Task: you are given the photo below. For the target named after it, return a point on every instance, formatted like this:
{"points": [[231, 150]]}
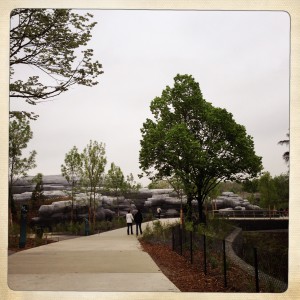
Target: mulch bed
{"points": [[188, 277], [30, 243]]}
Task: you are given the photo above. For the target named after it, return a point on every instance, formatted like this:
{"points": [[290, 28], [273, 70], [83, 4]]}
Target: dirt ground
{"points": [[188, 278]]}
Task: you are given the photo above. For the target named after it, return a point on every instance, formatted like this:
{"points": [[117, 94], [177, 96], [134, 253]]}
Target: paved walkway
{"points": [[107, 262]]}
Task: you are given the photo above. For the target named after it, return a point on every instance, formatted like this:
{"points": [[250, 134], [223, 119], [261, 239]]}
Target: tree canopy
{"points": [[93, 165], [115, 180], [200, 144], [38, 192], [19, 136], [72, 170], [46, 44]]}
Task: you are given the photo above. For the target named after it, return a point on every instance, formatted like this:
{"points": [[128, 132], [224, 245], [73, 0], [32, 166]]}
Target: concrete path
{"points": [[107, 262]]}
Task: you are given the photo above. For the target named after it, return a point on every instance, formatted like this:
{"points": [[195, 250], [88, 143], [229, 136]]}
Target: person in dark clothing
{"points": [[138, 219]]}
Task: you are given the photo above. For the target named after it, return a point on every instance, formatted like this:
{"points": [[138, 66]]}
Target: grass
{"points": [[272, 251]]}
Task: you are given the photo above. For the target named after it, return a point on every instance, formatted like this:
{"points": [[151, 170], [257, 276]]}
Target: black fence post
{"points": [[224, 262], [180, 238], [204, 251], [23, 222], [256, 270], [191, 246]]}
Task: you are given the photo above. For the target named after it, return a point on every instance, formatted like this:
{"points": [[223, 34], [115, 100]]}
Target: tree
{"points": [[159, 184], [19, 136], [115, 181], [286, 155], [195, 141], [38, 192], [131, 184], [46, 43], [72, 170], [94, 161], [267, 189], [251, 186], [281, 183]]}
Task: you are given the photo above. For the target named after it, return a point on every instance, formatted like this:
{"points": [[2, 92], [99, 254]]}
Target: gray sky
{"points": [[240, 59]]}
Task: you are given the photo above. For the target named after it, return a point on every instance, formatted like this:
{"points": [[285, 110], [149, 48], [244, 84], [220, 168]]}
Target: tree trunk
{"points": [[72, 205], [189, 208], [201, 213]]}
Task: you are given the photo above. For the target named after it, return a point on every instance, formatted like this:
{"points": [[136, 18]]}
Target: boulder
{"points": [[171, 213], [46, 210]]}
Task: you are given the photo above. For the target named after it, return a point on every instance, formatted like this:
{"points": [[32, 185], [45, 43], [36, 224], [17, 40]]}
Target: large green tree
{"points": [[93, 165], [19, 136], [48, 53], [195, 141], [72, 170]]}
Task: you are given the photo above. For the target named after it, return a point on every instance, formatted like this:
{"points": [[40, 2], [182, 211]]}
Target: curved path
{"points": [[108, 262]]}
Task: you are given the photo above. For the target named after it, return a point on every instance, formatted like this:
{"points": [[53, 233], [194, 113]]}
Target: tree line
{"points": [[266, 191], [85, 171]]}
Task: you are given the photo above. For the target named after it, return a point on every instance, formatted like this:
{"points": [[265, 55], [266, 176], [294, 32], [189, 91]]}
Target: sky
{"points": [[240, 60]]}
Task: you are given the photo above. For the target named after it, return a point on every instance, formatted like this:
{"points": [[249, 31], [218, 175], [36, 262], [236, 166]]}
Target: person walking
{"points": [[158, 212], [129, 220], [138, 219]]}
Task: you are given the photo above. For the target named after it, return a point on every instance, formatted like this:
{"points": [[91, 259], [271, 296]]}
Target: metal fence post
{"points": [[224, 262], [204, 252], [256, 270], [23, 222], [180, 239]]}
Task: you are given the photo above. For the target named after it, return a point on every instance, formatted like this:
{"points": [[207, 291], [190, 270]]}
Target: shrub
{"points": [[158, 232]]}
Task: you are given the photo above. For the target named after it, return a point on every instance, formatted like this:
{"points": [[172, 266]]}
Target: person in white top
{"points": [[158, 212], [129, 220]]}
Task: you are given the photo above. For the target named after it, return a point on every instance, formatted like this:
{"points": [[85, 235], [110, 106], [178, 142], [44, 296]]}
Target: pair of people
{"points": [[138, 219]]}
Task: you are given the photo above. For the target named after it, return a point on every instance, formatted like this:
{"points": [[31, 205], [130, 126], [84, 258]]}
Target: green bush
{"points": [[158, 232], [215, 227]]}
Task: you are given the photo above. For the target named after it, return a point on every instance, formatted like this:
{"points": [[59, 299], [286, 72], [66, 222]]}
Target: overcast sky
{"points": [[240, 59]]}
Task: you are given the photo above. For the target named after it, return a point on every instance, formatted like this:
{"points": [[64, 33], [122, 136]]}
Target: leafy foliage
{"points": [[273, 191], [19, 136], [286, 155], [46, 43], [131, 184], [38, 192], [115, 180], [93, 165], [199, 143], [72, 170], [159, 184]]}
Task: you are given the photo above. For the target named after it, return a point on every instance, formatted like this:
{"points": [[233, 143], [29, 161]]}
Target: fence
{"points": [[253, 214], [213, 256]]}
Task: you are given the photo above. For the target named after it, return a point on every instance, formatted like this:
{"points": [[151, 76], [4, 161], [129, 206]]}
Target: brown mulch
{"points": [[188, 277], [30, 243]]}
